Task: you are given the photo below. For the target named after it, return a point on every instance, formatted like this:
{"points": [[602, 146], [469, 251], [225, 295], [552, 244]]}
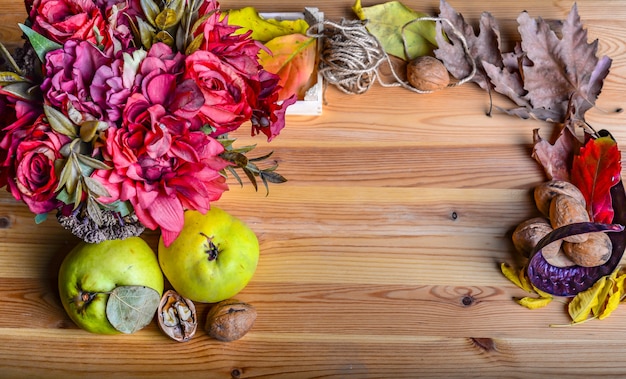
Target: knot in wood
{"points": [[467, 300]]}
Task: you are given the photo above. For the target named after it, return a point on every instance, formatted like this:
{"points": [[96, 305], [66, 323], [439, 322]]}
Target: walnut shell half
{"points": [[177, 316], [230, 320]]}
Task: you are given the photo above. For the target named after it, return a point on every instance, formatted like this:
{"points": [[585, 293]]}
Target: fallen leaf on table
{"points": [[581, 305], [556, 159], [546, 75], [385, 22], [263, 29], [293, 59], [595, 171], [484, 47]]}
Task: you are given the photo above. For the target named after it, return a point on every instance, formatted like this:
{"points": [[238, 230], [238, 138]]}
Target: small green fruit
{"points": [[213, 258], [90, 271]]}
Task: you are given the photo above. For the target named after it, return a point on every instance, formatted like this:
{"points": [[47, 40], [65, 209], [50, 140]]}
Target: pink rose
{"points": [[61, 20], [36, 180], [226, 93]]}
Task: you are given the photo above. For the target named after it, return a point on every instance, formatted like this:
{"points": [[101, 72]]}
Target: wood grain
{"points": [[379, 256]]}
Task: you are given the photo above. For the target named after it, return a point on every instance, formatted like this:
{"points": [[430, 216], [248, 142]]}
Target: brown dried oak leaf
{"points": [[549, 68]]}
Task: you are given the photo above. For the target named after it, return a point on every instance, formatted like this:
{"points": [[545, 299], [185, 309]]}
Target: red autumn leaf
{"points": [[292, 58], [594, 171]]}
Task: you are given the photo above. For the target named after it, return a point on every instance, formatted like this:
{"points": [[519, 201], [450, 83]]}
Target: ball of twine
{"points": [[350, 55]]}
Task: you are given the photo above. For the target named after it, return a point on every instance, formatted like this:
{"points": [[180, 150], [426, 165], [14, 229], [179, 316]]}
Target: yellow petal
{"points": [[534, 302]]}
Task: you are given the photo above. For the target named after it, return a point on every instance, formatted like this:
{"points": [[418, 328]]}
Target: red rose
{"points": [[36, 180], [61, 20], [226, 93], [16, 123]]}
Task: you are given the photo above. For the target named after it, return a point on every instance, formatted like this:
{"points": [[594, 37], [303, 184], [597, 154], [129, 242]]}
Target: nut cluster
{"points": [[562, 204]]}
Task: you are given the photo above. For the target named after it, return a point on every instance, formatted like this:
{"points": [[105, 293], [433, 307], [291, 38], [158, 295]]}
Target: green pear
{"points": [[212, 259], [91, 271]]}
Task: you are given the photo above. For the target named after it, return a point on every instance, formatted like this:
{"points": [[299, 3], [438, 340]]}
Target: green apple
{"points": [[213, 258], [90, 271]]}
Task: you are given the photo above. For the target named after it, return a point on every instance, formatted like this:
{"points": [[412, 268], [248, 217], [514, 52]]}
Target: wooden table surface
{"points": [[379, 256]]}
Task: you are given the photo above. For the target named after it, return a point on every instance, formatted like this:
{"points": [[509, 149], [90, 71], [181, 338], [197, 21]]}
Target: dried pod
{"points": [[558, 259], [177, 316], [230, 320], [427, 73], [530, 232], [594, 252], [565, 210], [545, 192]]}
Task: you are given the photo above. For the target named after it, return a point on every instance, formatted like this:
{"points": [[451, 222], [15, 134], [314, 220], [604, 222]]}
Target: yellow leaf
{"points": [[615, 297], [541, 293], [603, 296], [511, 274], [264, 30], [534, 302], [580, 306], [526, 285]]}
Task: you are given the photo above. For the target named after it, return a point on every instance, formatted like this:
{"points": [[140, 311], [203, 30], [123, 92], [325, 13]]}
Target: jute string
{"points": [[351, 56]]}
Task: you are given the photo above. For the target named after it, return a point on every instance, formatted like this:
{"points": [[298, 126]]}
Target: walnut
{"points": [[230, 320], [427, 73], [177, 316], [594, 252], [530, 232], [565, 210], [545, 192]]}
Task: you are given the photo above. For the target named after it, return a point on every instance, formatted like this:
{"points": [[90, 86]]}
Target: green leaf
{"points": [[234, 173], [166, 19], [91, 163], [385, 21], [272, 177], [88, 129], [68, 176], [59, 122], [95, 187], [78, 194], [194, 45], [264, 29], [7, 77], [235, 157], [150, 10], [94, 211], [9, 58], [251, 177], [41, 44], [146, 33], [22, 90], [124, 208], [41, 217], [131, 308]]}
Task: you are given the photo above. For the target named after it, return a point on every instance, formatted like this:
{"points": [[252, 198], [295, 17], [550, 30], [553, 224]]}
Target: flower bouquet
{"points": [[116, 113]]}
